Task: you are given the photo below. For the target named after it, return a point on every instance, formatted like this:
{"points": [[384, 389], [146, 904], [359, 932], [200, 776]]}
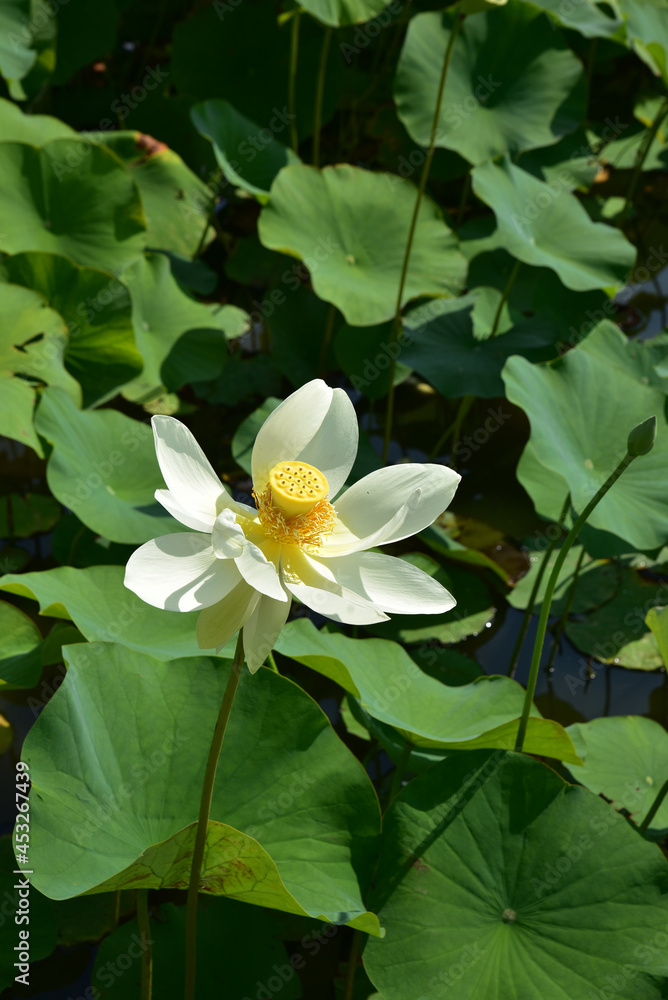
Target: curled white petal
{"points": [[218, 623], [392, 584], [316, 424], [388, 505], [262, 630], [180, 573], [193, 486], [313, 584]]}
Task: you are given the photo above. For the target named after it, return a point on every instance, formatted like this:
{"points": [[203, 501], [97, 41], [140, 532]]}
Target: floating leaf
{"points": [[72, 198], [20, 664], [96, 826], [512, 84], [625, 759], [103, 467], [21, 517], [15, 126], [591, 19], [578, 437], [349, 227], [597, 582], [546, 226], [542, 897], [393, 689], [339, 13]]}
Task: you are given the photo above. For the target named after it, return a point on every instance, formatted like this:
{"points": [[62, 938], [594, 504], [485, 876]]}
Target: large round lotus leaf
{"points": [[510, 86], [19, 667], [102, 353], [103, 468], [70, 197], [33, 340], [581, 411], [647, 32], [339, 13], [499, 880], [16, 55], [546, 226], [241, 940], [439, 342], [104, 610], [616, 631], [393, 689], [176, 202], [15, 126], [249, 156], [117, 761], [349, 227], [588, 17], [625, 759], [181, 340]]}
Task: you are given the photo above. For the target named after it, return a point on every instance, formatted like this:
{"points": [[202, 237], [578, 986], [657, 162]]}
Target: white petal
{"points": [[227, 536], [262, 630], [193, 484], [315, 424], [392, 584], [313, 584], [180, 573], [262, 574], [218, 623], [170, 503], [389, 504]]}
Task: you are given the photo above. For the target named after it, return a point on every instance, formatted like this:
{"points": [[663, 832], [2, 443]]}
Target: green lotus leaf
{"points": [[103, 467], [349, 227], [176, 202], [17, 56], [234, 136], [598, 581], [625, 759], [439, 342], [16, 126], [101, 353], [239, 939], [546, 226], [588, 17], [181, 340], [115, 799], [33, 341], [104, 610], [616, 631], [70, 197], [647, 32], [513, 84], [578, 438], [657, 620], [20, 664], [339, 13], [392, 688], [496, 874]]}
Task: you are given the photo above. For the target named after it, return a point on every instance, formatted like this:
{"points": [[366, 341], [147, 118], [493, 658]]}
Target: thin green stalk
{"points": [[210, 214], [292, 80], [317, 120], [116, 912], [464, 407], [355, 949], [656, 805], [272, 662], [203, 819], [549, 591], [463, 200], [146, 951], [504, 297], [411, 232], [528, 611], [561, 624], [642, 156]]}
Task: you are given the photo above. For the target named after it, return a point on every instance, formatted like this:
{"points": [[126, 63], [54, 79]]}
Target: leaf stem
{"points": [[549, 591], [355, 949], [411, 231], [317, 120], [656, 805], [561, 624], [146, 952], [292, 79], [642, 156], [204, 812], [528, 611], [504, 298]]}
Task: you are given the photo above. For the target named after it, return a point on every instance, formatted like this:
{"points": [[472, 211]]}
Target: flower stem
{"points": [[203, 819], [561, 624], [292, 80], [355, 948], [146, 952], [656, 805], [504, 298], [549, 591], [642, 156], [317, 121], [411, 231], [528, 611]]}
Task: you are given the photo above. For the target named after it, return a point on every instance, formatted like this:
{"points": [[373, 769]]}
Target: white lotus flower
{"points": [[243, 565]]}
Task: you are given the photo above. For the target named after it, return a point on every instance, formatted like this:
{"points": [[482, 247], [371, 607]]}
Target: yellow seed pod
{"points": [[296, 487]]}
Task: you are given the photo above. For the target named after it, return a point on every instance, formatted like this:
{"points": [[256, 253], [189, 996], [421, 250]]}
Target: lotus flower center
{"points": [[297, 487]]}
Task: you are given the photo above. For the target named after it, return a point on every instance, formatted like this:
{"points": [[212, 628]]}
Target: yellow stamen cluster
{"points": [[304, 529]]}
